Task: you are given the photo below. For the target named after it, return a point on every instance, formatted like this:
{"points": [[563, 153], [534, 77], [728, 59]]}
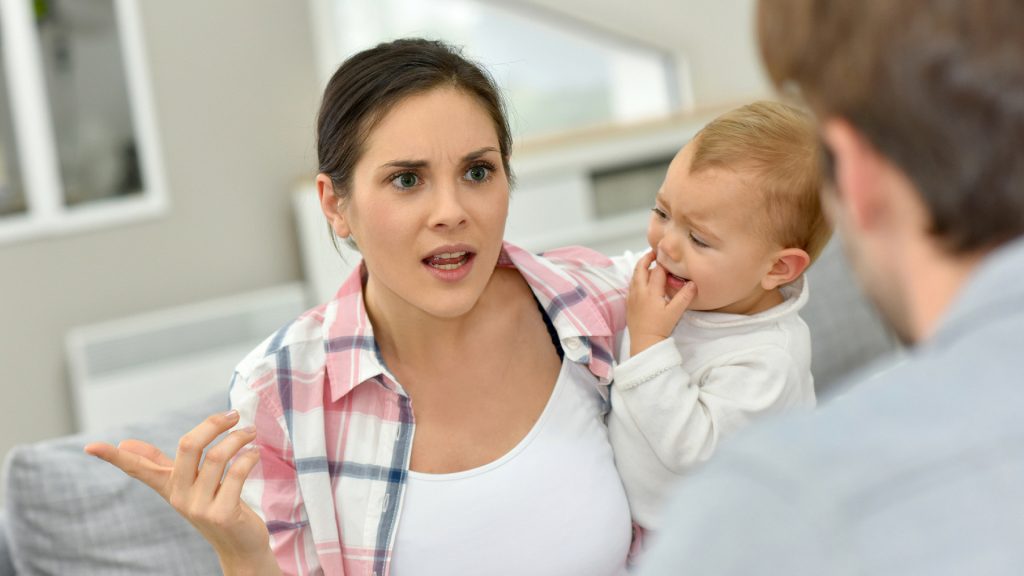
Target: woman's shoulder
{"points": [[576, 278], [593, 271], [299, 343]]}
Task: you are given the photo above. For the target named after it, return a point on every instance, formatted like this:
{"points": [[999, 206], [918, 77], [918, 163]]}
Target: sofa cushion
{"points": [[70, 513]]}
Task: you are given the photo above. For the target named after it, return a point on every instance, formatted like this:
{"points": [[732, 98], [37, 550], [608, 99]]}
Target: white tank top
{"points": [[552, 506]]}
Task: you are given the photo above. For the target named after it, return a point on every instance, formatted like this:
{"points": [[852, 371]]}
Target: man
{"points": [[920, 470]]}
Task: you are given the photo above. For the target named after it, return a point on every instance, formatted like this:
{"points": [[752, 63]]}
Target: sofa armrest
{"points": [[6, 564], [70, 513]]}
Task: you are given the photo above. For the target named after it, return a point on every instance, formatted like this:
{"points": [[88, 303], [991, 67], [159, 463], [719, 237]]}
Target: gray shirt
{"points": [[917, 471]]}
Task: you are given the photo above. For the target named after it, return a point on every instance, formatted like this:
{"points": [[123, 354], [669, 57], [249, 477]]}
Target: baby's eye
{"points": [[700, 243], [659, 213], [405, 180], [478, 173]]}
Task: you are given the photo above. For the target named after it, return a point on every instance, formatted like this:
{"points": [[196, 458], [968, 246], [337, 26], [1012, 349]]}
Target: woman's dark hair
{"points": [[367, 85]]}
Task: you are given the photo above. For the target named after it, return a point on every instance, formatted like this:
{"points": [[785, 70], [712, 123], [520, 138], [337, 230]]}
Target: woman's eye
{"points": [[698, 241], [478, 174], [405, 180], [659, 213]]}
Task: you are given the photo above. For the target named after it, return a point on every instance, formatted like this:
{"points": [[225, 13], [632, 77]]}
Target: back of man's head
{"points": [[936, 86]]}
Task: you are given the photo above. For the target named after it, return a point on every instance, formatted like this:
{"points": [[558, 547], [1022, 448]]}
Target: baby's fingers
{"points": [[141, 468], [682, 299], [657, 283], [642, 270]]}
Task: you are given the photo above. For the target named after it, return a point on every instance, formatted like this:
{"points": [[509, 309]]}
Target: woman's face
{"points": [[428, 205]]}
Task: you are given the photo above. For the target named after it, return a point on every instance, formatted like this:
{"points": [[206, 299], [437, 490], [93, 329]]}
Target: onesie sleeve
{"points": [[665, 421]]}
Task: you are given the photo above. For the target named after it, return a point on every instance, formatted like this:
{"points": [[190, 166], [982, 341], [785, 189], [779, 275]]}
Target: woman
{"points": [[444, 412]]}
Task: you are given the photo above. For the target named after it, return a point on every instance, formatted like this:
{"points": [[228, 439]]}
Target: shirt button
{"points": [[572, 343]]}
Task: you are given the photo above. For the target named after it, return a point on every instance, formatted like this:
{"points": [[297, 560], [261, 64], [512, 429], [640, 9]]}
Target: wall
{"points": [[716, 38], [236, 94]]}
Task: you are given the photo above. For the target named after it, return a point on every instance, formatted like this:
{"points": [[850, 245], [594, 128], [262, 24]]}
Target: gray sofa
{"points": [[67, 513]]}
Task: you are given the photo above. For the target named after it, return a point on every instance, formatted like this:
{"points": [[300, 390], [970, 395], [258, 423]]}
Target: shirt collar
{"points": [[353, 356]]}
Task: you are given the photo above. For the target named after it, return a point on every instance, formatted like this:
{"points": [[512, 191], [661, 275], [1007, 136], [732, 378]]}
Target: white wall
{"points": [[716, 37], [236, 95]]}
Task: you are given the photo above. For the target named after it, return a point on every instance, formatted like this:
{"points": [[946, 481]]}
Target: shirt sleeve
{"points": [[674, 420], [272, 488]]}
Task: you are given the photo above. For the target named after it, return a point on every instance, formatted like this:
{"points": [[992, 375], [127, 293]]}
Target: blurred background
{"points": [[157, 215]]}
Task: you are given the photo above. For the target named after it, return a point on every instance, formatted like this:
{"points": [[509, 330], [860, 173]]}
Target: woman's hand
{"points": [[651, 317], [199, 489]]}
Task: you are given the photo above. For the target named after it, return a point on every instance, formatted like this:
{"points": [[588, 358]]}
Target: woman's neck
{"points": [[413, 337]]}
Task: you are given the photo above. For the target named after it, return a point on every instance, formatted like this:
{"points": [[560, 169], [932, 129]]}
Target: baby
{"points": [[714, 340]]}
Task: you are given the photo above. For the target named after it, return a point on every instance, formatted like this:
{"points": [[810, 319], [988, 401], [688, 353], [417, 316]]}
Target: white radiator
{"points": [[133, 369]]}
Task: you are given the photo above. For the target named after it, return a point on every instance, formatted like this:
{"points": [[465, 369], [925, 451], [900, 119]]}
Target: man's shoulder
{"points": [[908, 422]]}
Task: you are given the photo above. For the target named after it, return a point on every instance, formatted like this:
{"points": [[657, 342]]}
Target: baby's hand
{"points": [[649, 316]]}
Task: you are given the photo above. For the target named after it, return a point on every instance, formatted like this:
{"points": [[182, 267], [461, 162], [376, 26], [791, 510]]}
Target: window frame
{"points": [[679, 85], [46, 212]]}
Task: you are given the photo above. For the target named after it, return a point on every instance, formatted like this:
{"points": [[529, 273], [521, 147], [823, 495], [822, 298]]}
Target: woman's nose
{"points": [[448, 210]]}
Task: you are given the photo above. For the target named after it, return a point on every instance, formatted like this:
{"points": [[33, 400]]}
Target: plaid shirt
{"points": [[335, 429]]}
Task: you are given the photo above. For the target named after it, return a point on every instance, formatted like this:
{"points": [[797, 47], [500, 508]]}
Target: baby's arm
{"points": [[665, 421], [680, 420]]}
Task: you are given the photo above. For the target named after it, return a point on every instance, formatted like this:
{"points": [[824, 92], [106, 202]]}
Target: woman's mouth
{"points": [[450, 265], [447, 260]]}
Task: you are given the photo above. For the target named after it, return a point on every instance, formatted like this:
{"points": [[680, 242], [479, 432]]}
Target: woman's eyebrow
{"points": [[413, 164], [478, 153], [404, 164]]}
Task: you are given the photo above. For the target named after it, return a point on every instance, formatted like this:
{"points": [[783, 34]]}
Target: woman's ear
{"points": [[787, 265], [331, 206]]}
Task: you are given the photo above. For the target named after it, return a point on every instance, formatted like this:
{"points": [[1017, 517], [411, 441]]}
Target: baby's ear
{"points": [[787, 265]]}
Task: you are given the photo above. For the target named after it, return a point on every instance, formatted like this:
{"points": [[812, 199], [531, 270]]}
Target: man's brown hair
{"points": [[775, 146], [936, 86]]}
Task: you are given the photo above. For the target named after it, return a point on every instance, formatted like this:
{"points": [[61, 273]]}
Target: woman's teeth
{"points": [[447, 260]]}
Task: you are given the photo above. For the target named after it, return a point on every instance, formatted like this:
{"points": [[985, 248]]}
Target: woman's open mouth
{"points": [[448, 260], [450, 266]]}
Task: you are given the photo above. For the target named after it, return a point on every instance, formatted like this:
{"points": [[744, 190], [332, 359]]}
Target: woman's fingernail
{"points": [[248, 430], [231, 413]]}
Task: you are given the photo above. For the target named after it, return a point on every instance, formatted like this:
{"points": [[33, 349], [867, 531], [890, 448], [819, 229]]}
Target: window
{"points": [[77, 139], [557, 75]]}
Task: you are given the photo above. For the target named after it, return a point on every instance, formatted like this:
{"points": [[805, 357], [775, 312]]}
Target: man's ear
{"points": [[331, 206], [788, 265], [859, 173]]}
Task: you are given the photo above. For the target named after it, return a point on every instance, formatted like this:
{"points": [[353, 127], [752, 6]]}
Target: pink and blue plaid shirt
{"points": [[335, 429]]}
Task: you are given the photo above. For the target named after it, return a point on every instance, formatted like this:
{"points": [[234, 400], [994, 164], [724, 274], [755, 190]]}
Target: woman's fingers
{"points": [[190, 451], [146, 450], [217, 458], [151, 473], [229, 494]]}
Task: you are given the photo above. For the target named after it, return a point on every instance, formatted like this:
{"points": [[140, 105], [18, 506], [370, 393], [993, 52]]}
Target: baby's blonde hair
{"points": [[777, 146]]}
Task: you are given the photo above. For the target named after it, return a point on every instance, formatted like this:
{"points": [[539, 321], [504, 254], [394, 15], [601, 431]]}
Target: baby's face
{"points": [[705, 229]]}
